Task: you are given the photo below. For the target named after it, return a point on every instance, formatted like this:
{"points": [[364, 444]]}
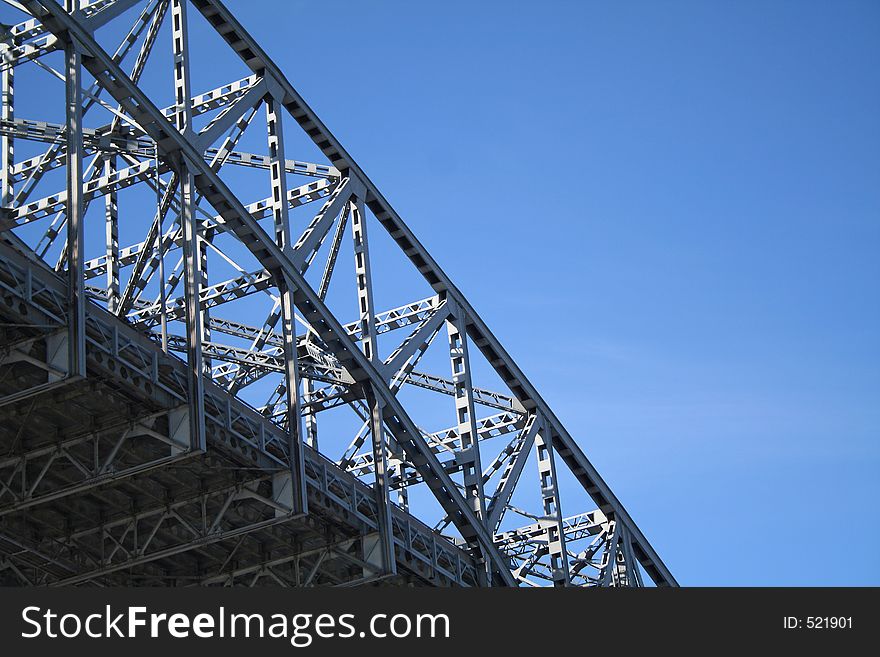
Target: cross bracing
{"points": [[208, 373]]}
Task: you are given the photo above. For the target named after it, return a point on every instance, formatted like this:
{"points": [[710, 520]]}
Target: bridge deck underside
{"points": [[99, 484]]}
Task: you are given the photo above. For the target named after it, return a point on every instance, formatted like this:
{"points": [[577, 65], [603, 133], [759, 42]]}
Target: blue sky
{"points": [[670, 215]]}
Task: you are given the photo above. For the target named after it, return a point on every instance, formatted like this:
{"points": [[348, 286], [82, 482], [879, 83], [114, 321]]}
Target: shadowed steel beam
{"points": [[75, 224]]}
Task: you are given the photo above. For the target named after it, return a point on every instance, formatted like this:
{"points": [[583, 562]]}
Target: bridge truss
{"points": [[201, 388]]}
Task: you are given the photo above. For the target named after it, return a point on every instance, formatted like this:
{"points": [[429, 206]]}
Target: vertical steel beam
{"points": [[609, 556], [189, 227], [163, 312], [180, 45], [280, 210], [468, 454], [192, 279], [296, 457], [75, 228], [111, 225], [403, 489], [193, 249], [554, 532], [369, 345], [382, 483], [281, 220], [203, 277], [7, 141]]}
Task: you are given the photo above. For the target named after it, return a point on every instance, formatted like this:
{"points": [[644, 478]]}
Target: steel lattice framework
{"points": [[169, 347]]}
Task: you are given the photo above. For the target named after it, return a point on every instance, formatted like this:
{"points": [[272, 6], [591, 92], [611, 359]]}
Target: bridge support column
{"points": [[76, 320], [554, 533], [286, 289], [369, 345], [7, 141], [468, 456]]}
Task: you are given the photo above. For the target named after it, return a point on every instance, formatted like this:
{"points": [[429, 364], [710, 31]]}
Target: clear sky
{"points": [[670, 215]]}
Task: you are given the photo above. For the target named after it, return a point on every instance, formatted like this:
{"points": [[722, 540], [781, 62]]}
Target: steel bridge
{"points": [[200, 388]]}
